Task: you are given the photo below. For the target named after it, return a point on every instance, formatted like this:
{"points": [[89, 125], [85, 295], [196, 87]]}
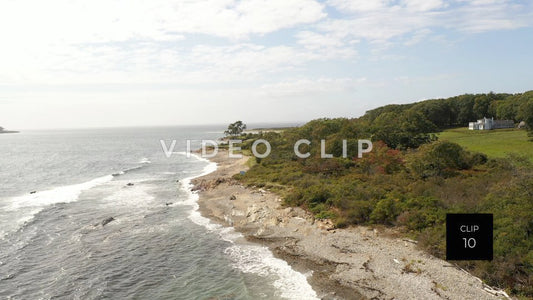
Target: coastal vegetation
{"points": [[418, 171], [235, 129]]}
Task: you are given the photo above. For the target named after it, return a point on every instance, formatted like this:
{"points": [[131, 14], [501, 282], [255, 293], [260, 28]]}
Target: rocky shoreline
{"points": [[352, 263]]}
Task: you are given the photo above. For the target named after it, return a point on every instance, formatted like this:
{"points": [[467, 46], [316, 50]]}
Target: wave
{"points": [[22, 209], [62, 194], [249, 258], [144, 160], [127, 171]]}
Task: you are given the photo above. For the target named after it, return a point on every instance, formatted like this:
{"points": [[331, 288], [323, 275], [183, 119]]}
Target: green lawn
{"points": [[494, 143]]}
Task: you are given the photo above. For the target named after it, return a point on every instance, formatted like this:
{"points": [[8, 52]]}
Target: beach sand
{"points": [[353, 263]]}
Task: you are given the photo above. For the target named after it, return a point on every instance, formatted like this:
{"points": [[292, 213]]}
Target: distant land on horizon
{"points": [[7, 131]]}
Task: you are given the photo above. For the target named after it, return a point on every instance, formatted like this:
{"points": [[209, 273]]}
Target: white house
{"points": [[489, 124]]}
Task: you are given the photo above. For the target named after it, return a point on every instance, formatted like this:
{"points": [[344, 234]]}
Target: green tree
{"points": [[481, 106], [235, 129], [436, 111], [407, 130], [465, 109], [526, 114]]}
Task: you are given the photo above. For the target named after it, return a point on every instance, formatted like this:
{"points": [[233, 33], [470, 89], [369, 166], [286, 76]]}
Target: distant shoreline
{"points": [[9, 131], [265, 130]]}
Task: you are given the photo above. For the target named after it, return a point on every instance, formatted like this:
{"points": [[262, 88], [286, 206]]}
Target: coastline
{"points": [[352, 263]]}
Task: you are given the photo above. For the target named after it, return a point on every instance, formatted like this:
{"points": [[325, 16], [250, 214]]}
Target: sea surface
{"points": [[56, 189]]}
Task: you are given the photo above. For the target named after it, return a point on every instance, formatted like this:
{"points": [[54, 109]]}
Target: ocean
{"points": [[58, 188]]}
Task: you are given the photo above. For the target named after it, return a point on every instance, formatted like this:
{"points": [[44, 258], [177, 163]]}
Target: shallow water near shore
{"points": [[57, 188]]}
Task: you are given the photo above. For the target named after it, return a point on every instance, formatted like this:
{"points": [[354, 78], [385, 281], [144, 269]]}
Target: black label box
{"points": [[469, 236]]}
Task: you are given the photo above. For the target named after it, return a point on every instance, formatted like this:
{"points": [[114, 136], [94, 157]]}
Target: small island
{"points": [[7, 131]]}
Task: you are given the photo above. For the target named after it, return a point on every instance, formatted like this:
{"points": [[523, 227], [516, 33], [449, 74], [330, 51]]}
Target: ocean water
{"points": [[56, 189]]}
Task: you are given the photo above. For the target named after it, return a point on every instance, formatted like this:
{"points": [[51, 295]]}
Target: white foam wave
{"points": [[62, 194], [128, 170], [24, 208], [145, 160], [168, 173], [246, 257], [260, 261], [135, 196]]}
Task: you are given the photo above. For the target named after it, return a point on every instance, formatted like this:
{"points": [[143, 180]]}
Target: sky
{"points": [[107, 63]]}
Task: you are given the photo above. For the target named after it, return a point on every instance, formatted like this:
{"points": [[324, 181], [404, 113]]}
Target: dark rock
{"points": [[168, 203], [129, 184], [107, 221], [233, 197], [219, 181], [33, 192]]}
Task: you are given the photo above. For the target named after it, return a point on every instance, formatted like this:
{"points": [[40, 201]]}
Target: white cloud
{"points": [[73, 41], [382, 25], [150, 63], [418, 36], [483, 2], [80, 21], [310, 87], [489, 16], [358, 5], [313, 40], [191, 42], [424, 5], [381, 21]]}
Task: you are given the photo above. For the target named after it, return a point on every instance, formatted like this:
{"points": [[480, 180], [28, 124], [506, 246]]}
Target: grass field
{"points": [[494, 143]]}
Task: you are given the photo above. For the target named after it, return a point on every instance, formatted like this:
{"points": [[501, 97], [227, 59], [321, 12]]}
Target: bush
{"points": [[421, 213], [441, 159], [385, 212]]}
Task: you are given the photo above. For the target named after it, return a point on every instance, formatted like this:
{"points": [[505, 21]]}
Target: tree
{"points": [[526, 114], [401, 131], [465, 107], [481, 106], [235, 129], [438, 112]]}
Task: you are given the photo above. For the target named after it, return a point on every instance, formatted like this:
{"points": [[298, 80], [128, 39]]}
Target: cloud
{"points": [[118, 40], [483, 2], [310, 87], [424, 5], [381, 25], [80, 21], [483, 16], [381, 21], [358, 5], [191, 42]]}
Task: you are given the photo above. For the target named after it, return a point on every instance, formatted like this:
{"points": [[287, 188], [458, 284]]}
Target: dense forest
{"points": [[410, 179]]}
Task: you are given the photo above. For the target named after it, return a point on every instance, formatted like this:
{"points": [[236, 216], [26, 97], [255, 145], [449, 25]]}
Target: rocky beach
{"points": [[353, 263]]}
